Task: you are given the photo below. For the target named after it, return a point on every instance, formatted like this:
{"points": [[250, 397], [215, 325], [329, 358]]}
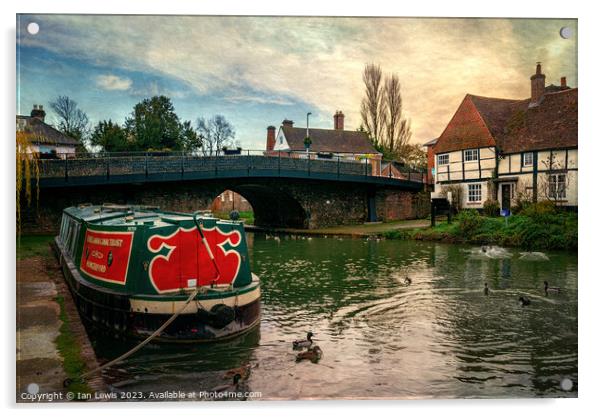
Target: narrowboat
{"points": [[131, 268]]}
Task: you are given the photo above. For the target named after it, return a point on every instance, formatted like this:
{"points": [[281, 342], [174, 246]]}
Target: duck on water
{"points": [[303, 343]]}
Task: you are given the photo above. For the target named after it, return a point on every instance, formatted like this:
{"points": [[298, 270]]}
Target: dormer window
{"points": [[471, 155], [528, 159]]}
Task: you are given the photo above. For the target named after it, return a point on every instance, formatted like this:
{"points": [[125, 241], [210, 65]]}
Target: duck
{"points": [[301, 343], [244, 372], [484, 249], [524, 301], [548, 289], [313, 354], [486, 289], [229, 387], [407, 280]]}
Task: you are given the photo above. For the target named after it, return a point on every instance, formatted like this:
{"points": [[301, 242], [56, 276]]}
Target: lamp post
{"points": [[307, 135]]}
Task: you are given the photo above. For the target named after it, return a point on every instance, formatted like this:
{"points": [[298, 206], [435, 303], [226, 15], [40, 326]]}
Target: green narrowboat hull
{"points": [[130, 270]]}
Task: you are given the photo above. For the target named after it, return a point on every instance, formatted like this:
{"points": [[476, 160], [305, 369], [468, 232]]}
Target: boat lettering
{"points": [[106, 255]]}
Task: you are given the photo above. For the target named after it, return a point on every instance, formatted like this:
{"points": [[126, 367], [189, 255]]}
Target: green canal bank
{"points": [[536, 229], [52, 343]]}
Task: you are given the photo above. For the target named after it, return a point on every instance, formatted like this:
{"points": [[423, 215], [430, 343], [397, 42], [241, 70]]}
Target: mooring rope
{"points": [[67, 381]]}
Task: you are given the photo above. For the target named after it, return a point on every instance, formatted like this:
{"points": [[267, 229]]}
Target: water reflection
{"points": [[439, 336]]}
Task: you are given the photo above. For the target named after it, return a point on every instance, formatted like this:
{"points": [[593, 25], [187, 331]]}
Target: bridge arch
{"points": [[271, 207]]}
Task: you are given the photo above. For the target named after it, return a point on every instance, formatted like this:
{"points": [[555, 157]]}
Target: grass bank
{"points": [[246, 216], [539, 227], [33, 245], [70, 350]]}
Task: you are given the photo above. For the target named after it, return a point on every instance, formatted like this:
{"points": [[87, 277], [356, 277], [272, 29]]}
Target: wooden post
{"points": [[433, 214]]}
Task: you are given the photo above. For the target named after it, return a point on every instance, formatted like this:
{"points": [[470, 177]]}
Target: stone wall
{"points": [[297, 203]]}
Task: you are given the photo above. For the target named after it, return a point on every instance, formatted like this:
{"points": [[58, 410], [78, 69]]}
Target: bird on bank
{"points": [[548, 289], [301, 343], [407, 280], [486, 289], [244, 372], [313, 354], [524, 301]]}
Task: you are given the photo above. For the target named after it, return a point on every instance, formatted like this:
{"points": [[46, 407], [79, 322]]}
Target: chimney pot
{"points": [[563, 81], [271, 139], [538, 84], [339, 120], [287, 123], [38, 112]]}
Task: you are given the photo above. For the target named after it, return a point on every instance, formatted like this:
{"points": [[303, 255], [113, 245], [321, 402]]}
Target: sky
{"points": [[257, 71]]}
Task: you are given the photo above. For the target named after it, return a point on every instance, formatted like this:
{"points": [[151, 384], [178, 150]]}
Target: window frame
{"points": [[439, 156], [471, 198], [476, 155], [524, 163], [553, 186]]}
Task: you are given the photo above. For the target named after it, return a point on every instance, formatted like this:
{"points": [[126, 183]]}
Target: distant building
{"points": [[228, 201], [430, 161], [325, 143], [503, 150], [45, 139]]}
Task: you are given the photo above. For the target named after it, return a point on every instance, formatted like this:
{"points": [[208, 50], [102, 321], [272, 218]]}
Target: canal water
{"points": [[439, 336]]}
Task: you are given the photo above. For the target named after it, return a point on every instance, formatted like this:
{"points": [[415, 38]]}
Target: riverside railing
{"points": [[229, 163]]}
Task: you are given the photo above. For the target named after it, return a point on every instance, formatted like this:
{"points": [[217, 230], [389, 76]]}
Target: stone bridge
{"points": [[283, 191]]}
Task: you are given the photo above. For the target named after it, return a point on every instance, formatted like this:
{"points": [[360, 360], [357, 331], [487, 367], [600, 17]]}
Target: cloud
{"points": [[113, 82], [318, 61]]}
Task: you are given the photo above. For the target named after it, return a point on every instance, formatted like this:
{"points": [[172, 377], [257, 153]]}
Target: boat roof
{"points": [[133, 215]]}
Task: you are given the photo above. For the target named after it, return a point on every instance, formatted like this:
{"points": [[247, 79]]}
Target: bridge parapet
{"points": [[109, 168]]}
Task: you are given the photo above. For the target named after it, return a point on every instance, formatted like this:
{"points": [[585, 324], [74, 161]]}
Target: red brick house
{"points": [[430, 161], [502, 149]]}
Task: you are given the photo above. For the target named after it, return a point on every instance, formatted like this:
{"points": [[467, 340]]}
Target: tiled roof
{"points": [[512, 125], [329, 140], [550, 125], [430, 142], [44, 134], [467, 129]]}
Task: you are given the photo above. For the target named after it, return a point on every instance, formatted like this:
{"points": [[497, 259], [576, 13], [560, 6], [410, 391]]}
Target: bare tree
{"points": [[396, 127], [214, 134], [554, 185], [372, 103], [72, 121]]}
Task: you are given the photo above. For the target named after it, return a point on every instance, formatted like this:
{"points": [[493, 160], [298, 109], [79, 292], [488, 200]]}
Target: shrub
{"points": [[469, 221], [491, 208], [540, 211]]}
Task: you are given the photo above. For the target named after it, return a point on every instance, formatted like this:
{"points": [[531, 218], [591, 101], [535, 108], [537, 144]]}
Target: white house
{"points": [[45, 139], [503, 150]]}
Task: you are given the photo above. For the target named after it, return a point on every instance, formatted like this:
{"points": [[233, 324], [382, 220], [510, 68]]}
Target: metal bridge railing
{"points": [[226, 163]]}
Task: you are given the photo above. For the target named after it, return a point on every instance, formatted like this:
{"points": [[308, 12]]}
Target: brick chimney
{"points": [[271, 140], [38, 112], [563, 82], [287, 123], [538, 85], [339, 120]]}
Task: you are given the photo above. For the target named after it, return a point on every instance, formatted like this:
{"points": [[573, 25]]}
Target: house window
{"points": [[528, 159], [471, 155], [443, 159], [557, 189], [474, 193], [281, 139]]}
